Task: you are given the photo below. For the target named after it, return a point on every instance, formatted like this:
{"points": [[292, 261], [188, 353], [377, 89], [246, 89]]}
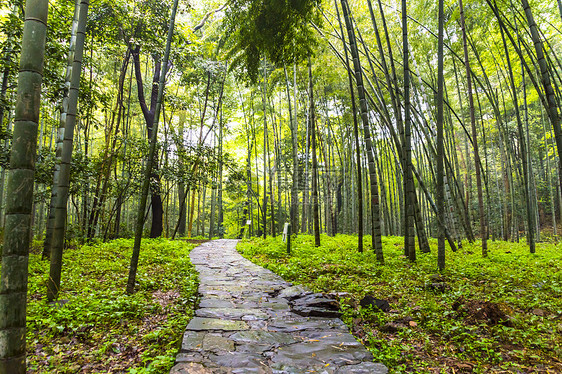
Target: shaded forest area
{"points": [[426, 119]]}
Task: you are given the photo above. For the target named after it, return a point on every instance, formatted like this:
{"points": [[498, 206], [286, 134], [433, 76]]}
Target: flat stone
{"points": [[258, 325], [332, 337], [240, 360], [194, 368], [199, 324], [216, 293], [363, 368], [213, 302], [183, 357], [287, 325], [313, 353], [283, 368], [275, 305], [192, 340], [214, 343], [253, 348], [264, 337], [230, 313], [316, 312]]}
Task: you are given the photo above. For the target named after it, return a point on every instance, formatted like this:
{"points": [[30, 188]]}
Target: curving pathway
{"points": [[247, 322]]}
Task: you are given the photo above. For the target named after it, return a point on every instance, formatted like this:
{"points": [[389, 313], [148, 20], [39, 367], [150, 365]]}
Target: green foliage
{"points": [[96, 325], [435, 335], [277, 30]]}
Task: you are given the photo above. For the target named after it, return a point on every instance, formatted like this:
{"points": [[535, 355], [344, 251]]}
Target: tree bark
{"points": [[60, 136], [151, 157], [150, 118], [53, 283], [13, 278], [312, 125], [375, 214], [483, 220]]}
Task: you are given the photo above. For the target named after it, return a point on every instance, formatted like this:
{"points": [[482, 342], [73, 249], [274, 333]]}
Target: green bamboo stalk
{"points": [[60, 136], [53, 283], [13, 279], [375, 213]]}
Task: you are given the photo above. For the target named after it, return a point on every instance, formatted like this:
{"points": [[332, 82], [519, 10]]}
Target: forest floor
{"points": [[95, 327], [501, 314]]}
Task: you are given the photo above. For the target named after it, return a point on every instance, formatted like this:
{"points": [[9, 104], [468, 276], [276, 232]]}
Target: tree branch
{"points": [[206, 17]]}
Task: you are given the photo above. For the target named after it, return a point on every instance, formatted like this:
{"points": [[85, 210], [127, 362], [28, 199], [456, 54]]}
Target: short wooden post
{"points": [[288, 238]]}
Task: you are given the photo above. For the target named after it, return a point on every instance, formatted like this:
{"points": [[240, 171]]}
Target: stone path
{"points": [[247, 322]]}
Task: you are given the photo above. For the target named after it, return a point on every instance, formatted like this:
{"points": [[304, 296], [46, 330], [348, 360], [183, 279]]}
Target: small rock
{"points": [[316, 305], [539, 312], [293, 292], [392, 327], [338, 295], [380, 304]]}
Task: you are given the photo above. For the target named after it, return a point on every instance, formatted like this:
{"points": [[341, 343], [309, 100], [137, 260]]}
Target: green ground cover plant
{"points": [[95, 327], [499, 314]]}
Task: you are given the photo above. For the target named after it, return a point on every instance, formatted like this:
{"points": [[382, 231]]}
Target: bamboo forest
{"points": [[280, 186]]}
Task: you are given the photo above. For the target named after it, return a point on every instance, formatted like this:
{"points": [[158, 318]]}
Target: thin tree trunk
{"points": [[356, 140], [552, 108], [312, 125], [440, 144], [483, 221], [375, 214], [409, 191], [148, 170], [524, 154]]}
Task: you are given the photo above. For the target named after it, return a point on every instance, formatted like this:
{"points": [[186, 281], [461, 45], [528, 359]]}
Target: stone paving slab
{"points": [[247, 322]]}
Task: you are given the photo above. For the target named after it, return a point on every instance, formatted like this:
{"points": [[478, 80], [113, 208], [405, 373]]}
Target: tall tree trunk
{"points": [[524, 154], [220, 217], [440, 144], [8, 70], [409, 191], [356, 140], [13, 278], [294, 213], [483, 221], [151, 156], [149, 114], [312, 125], [375, 214], [552, 108], [265, 140], [60, 136], [53, 283]]}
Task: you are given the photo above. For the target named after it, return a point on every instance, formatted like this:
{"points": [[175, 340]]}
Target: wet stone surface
{"points": [[251, 321]]}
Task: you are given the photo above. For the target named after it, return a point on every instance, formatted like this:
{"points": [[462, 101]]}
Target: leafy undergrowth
{"points": [[95, 327], [499, 314]]}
